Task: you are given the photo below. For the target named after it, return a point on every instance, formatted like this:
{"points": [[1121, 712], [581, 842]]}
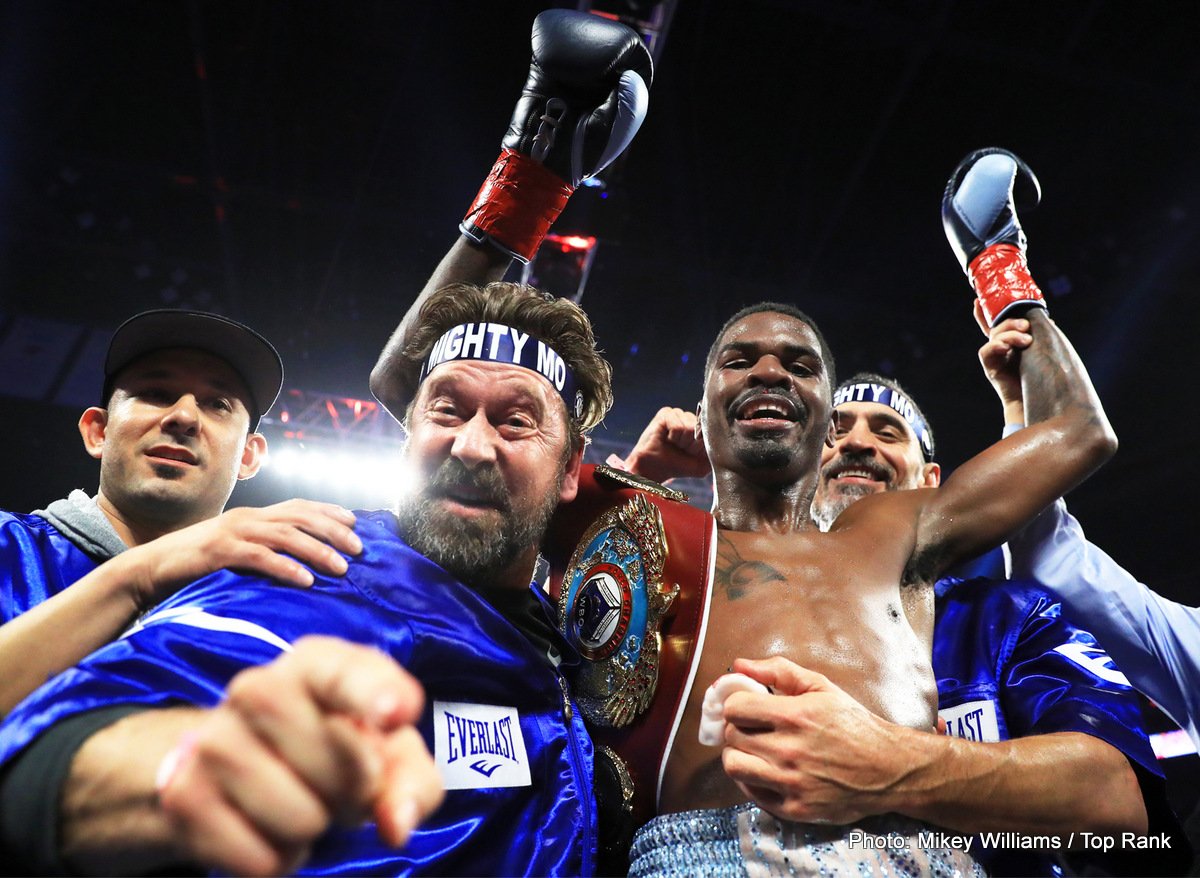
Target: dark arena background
{"points": [[302, 167]]}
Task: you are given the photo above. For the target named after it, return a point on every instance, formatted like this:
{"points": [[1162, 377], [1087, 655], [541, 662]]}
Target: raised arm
{"points": [[392, 382], [669, 448], [585, 98], [1152, 638], [996, 492], [59, 632]]}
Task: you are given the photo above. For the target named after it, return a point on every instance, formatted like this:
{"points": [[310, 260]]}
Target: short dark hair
{"points": [[558, 322], [775, 308]]}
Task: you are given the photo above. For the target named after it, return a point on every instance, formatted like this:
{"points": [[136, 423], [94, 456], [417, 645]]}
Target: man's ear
{"points": [[698, 432], [831, 433], [93, 424], [570, 482], [254, 452], [931, 475]]}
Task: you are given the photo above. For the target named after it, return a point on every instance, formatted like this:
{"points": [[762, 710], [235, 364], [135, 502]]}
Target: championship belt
{"points": [[630, 571]]}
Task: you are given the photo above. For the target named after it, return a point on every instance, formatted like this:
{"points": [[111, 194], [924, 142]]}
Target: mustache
{"points": [[858, 460], [484, 484]]}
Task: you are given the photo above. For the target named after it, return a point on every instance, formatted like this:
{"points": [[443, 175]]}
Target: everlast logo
{"points": [[969, 725], [477, 746], [973, 720], [470, 738]]}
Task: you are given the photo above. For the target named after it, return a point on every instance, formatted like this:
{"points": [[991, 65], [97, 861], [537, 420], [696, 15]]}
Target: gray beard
{"points": [[826, 513], [473, 551]]}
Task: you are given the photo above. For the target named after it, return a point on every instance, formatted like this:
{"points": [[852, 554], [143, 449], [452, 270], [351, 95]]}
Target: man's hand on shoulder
{"points": [[249, 540]]}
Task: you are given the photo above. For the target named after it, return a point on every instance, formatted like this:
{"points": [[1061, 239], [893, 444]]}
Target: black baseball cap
{"points": [[254, 358]]}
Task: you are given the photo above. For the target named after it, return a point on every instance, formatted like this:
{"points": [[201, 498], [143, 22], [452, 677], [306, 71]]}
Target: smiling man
{"points": [[846, 616], [851, 609], [883, 442], [270, 747], [176, 429]]}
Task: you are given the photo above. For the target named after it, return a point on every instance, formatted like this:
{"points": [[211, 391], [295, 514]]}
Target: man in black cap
{"points": [[183, 394]]}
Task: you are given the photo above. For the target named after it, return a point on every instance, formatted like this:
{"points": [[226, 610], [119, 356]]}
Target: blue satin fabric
{"points": [[452, 640], [996, 641], [36, 562]]}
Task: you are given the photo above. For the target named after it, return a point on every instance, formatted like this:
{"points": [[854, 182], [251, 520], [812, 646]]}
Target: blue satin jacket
{"points": [[36, 563], [511, 748], [1008, 665]]}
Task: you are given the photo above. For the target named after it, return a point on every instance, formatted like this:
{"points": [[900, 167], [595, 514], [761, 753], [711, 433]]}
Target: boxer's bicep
{"points": [[983, 503]]}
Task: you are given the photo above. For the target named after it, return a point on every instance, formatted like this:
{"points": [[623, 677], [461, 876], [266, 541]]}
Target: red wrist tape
{"points": [[516, 204], [1002, 281]]}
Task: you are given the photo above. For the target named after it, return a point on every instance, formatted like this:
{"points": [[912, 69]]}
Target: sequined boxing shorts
{"points": [[747, 842]]}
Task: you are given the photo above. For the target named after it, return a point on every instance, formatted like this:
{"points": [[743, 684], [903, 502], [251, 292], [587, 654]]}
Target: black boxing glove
{"points": [[585, 98], [979, 216]]}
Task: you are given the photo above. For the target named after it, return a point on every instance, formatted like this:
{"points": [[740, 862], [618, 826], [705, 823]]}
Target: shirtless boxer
{"points": [[1043, 732], [853, 607]]}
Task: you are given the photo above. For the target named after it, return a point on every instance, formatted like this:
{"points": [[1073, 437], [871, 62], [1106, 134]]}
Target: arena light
{"points": [[352, 476], [573, 243], [562, 265], [1168, 745]]}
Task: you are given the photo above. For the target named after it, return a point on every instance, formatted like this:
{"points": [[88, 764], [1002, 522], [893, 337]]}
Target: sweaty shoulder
{"points": [[888, 527], [889, 509]]}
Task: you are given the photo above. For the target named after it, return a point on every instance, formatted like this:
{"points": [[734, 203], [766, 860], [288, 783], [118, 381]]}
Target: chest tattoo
{"points": [[737, 576]]}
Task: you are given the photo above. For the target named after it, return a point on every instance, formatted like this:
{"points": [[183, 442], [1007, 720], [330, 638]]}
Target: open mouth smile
{"points": [[859, 473], [768, 409]]}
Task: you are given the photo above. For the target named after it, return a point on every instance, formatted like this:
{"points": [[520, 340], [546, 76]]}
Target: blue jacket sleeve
{"points": [[1155, 641], [189, 647]]}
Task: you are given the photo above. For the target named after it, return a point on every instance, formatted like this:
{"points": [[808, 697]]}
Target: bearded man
{"points": [[221, 733]]}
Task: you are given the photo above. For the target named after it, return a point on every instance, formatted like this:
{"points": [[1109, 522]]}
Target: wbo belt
{"points": [[631, 573]]}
